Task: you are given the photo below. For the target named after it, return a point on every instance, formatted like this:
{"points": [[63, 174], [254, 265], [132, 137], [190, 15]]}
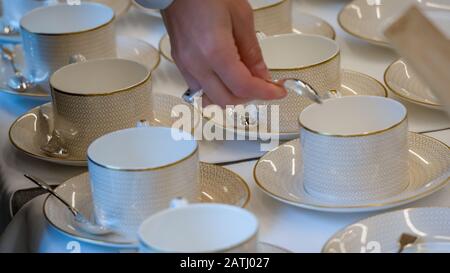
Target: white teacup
{"points": [[53, 35], [13, 10], [96, 97], [200, 228], [355, 149], [137, 172]]}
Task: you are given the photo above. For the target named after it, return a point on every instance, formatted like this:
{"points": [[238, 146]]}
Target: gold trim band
{"points": [[194, 152], [356, 135], [271, 5], [74, 32], [330, 59], [148, 78]]}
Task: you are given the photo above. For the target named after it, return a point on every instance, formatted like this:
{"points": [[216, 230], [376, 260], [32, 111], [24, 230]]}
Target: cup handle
{"points": [[260, 35], [334, 94], [77, 58], [143, 123], [178, 203]]}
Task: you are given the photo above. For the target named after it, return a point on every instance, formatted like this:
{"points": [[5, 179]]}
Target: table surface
{"points": [[296, 229]]}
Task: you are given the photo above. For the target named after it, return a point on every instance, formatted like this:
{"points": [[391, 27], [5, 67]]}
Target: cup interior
{"points": [[66, 19], [205, 228], [142, 148], [296, 51], [350, 116], [99, 76], [259, 4]]}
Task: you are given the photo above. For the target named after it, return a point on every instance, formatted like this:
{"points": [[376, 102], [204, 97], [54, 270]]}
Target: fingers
{"points": [[224, 59], [247, 42]]}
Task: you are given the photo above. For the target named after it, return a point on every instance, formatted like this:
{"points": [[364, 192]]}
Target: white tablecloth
{"points": [[293, 228]]}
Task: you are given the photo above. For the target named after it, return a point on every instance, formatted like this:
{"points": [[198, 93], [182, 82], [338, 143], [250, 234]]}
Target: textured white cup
{"points": [[52, 35], [199, 228], [355, 149], [137, 172], [96, 97], [272, 16], [13, 10]]}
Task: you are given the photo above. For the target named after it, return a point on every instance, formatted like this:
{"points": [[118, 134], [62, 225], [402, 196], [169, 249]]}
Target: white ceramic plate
{"points": [[353, 84], [278, 174], [403, 82], [31, 129], [302, 23], [381, 233], [127, 48], [366, 19], [217, 185]]}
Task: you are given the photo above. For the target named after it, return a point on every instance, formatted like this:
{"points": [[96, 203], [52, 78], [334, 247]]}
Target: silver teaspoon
{"points": [[81, 221], [18, 81]]}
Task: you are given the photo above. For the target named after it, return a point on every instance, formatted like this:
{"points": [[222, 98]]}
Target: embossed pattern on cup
{"points": [[312, 59], [272, 16], [48, 48], [360, 162], [137, 172], [88, 104]]}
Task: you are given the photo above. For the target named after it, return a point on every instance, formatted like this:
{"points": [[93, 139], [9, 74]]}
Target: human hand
{"points": [[215, 47]]}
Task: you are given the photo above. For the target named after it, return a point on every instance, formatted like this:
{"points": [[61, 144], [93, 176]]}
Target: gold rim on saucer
{"points": [[24, 129], [425, 153], [271, 5], [377, 223], [353, 83], [349, 31], [401, 94], [218, 185]]}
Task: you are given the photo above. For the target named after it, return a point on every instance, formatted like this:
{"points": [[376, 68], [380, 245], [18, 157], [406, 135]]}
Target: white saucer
{"points": [[127, 48], [302, 23], [403, 82], [381, 233], [353, 83], [366, 19], [31, 129], [278, 173], [218, 185]]}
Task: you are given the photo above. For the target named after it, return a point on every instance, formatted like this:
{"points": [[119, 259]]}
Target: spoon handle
{"points": [[10, 57], [49, 189]]}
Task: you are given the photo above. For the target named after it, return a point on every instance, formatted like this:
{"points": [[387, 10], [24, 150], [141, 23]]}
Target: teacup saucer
{"points": [[353, 84], [31, 129], [302, 23], [269, 248], [380, 233], [127, 48], [218, 185], [403, 82], [366, 19], [279, 174]]}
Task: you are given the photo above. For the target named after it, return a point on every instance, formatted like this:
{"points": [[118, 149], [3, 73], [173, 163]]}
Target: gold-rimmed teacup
{"points": [[96, 97], [355, 149], [313, 59], [52, 35], [136, 172], [272, 16]]}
